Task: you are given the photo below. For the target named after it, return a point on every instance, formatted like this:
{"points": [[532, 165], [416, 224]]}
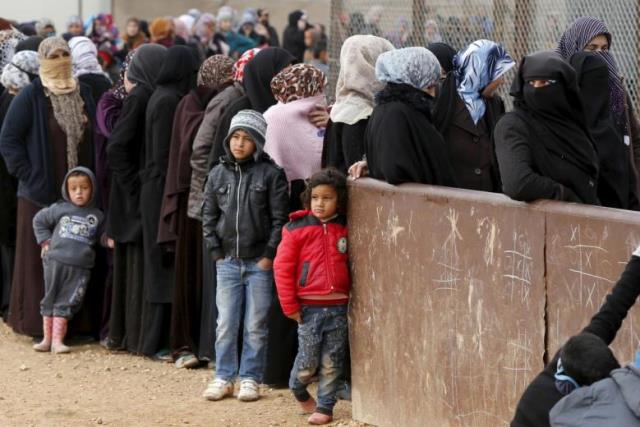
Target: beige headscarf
{"points": [[357, 82], [63, 90]]}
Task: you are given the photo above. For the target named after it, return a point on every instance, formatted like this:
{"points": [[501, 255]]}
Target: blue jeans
{"points": [[242, 283], [322, 342]]}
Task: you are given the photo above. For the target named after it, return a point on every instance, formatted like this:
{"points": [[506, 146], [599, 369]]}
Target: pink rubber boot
{"points": [[45, 344], [59, 332]]}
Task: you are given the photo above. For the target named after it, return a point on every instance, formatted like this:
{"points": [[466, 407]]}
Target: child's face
{"points": [[79, 189], [241, 145], [324, 202]]}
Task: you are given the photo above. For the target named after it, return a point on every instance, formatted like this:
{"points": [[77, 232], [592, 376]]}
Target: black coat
{"points": [[125, 156], [527, 169], [274, 40], [8, 187], [98, 83], [541, 394], [402, 145], [343, 144]]}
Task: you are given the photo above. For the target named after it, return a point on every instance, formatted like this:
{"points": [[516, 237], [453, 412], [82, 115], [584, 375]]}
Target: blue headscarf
{"points": [[475, 66]]}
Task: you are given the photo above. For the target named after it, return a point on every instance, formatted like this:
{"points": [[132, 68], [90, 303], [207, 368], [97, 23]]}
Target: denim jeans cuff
{"points": [[301, 395], [324, 411]]}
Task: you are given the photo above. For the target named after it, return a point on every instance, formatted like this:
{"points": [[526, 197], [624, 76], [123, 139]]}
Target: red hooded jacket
{"points": [[312, 259]]}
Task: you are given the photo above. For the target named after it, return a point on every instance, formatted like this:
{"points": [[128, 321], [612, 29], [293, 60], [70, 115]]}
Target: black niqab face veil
{"points": [[557, 108], [259, 72]]}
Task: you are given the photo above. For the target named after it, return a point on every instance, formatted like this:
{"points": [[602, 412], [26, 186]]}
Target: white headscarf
{"points": [[84, 56], [357, 82], [414, 66], [17, 74]]}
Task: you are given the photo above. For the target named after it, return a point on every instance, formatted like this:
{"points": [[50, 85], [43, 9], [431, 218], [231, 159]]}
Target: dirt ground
{"points": [[92, 386]]}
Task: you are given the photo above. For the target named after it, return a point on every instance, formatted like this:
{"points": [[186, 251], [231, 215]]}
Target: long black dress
{"points": [[8, 201], [176, 78]]}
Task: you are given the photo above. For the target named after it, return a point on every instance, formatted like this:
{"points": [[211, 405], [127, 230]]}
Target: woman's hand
{"points": [[319, 116], [359, 169]]}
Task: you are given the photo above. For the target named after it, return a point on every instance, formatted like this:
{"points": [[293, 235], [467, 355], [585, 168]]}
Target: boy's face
{"points": [[324, 202], [241, 145], [79, 189]]}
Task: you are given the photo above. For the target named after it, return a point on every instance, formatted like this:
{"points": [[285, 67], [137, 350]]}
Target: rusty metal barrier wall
{"points": [[448, 310]]}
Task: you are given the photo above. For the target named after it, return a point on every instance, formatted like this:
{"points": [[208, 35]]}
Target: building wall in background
{"points": [[57, 10]]}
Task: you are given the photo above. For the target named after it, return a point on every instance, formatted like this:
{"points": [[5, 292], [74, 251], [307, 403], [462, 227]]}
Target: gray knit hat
{"points": [[252, 122]]}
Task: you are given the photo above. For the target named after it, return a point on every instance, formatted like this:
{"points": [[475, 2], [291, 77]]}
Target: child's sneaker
{"points": [[318, 419], [249, 391], [218, 389]]}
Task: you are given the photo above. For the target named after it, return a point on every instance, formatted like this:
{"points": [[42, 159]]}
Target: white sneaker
{"points": [[249, 391], [218, 389]]}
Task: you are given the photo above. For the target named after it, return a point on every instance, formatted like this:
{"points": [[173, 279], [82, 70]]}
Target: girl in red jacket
{"points": [[312, 276]]}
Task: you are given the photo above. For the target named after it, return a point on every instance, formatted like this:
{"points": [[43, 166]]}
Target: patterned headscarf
{"points": [[18, 73], [475, 66], [575, 39], [215, 71], [84, 55], [64, 92], [8, 41], [118, 90], [297, 82], [415, 66], [238, 67]]}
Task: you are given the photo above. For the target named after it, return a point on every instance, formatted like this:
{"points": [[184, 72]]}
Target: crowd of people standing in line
{"points": [[218, 169]]}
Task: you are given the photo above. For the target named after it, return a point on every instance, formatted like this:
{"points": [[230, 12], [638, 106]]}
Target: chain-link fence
{"points": [[522, 26]]}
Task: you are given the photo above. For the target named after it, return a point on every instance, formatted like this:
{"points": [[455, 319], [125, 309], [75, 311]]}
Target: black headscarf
{"points": [[180, 69], [556, 109], [447, 94], [31, 43], [259, 72], [146, 64], [593, 79]]}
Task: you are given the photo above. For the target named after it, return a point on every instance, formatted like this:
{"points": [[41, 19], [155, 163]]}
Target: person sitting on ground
{"points": [[585, 358], [544, 147], [67, 232], [245, 207], [314, 248]]}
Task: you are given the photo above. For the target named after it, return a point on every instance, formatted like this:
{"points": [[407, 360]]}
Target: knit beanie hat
{"points": [[250, 121]]}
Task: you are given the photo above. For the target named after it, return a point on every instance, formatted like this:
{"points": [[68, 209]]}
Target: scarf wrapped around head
{"points": [[64, 92], [119, 90], [84, 56], [414, 66], [238, 67], [201, 27], [575, 39], [22, 69], [8, 41], [298, 82], [215, 71], [357, 83], [475, 66]]}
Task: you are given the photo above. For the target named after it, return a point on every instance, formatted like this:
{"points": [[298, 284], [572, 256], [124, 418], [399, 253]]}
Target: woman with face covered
{"points": [[125, 156], [544, 147], [467, 110], [175, 79], [402, 144], [47, 131], [15, 76]]}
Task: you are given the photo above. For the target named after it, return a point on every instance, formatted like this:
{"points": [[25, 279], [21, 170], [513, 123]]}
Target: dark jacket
{"points": [[98, 83], [71, 230], [274, 40], [312, 260], [541, 394], [613, 401], [125, 156], [8, 188], [522, 161], [402, 145], [24, 143], [245, 207], [470, 147], [343, 144], [293, 37]]}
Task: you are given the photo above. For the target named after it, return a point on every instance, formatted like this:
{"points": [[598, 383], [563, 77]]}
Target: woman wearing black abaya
{"points": [[293, 36], [544, 147], [617, 180], [125, 156], [402, 145], [177, 76]]}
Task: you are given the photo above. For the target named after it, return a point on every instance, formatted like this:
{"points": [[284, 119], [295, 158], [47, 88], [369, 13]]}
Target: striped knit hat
{"points": [[250, 121]]}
